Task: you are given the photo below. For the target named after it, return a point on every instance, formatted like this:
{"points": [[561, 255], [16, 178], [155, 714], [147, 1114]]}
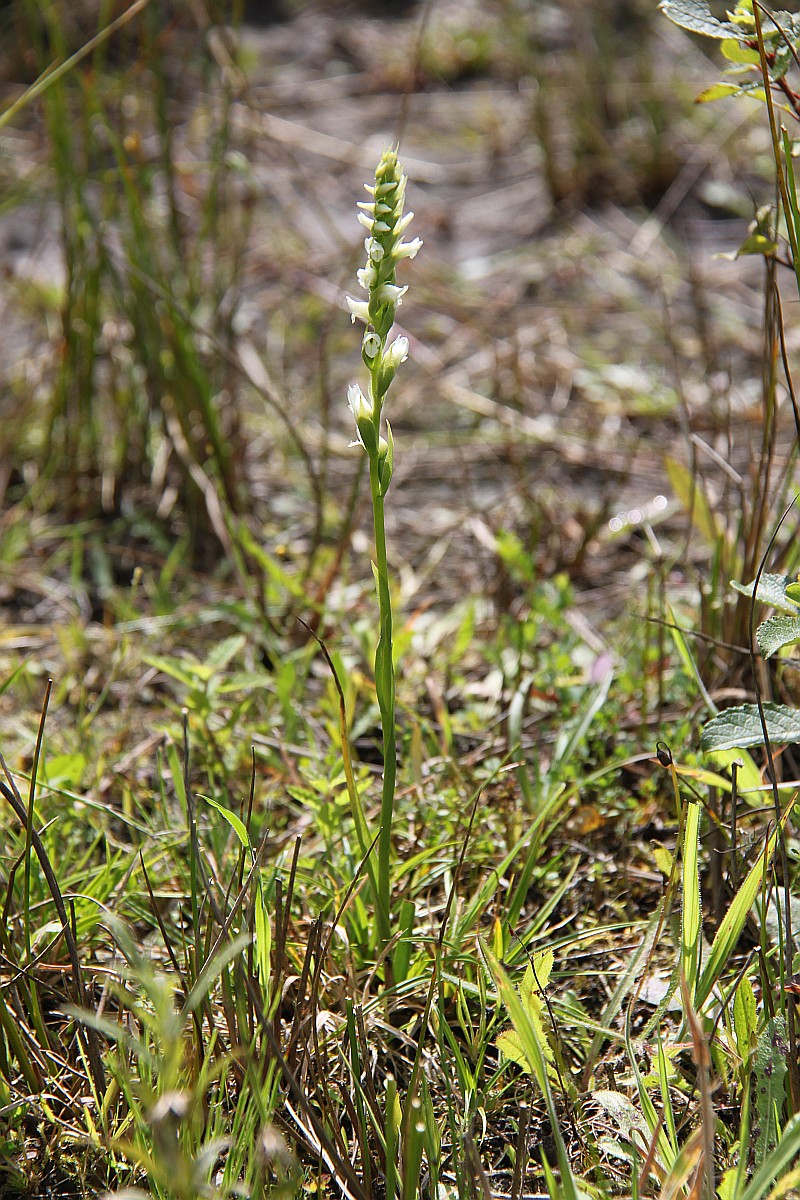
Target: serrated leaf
{"points": [[225, 650], [739, 728], [623, 1112], [771, 590], [696, 16], [510, 1046], [777, 632], [535, 978], [174, 669]]}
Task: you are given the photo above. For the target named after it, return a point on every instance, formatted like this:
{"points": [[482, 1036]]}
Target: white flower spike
{"points": [[383, 218]]}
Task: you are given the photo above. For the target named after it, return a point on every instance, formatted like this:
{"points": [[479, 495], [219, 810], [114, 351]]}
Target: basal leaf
{"points": [[536, 1065], [776, 632], [509, 1043], [783, 1156], [536, 977], [739, 728], [770, 1074]]}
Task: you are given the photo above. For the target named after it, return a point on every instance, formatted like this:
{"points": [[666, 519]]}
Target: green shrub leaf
{"points": [[696, 16], [776, 632], [717, 91], [739, 728], [772, 589]]}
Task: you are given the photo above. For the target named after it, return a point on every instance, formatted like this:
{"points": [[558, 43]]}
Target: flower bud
{"points": [[361, 409], [395, 354], [370, 347]]}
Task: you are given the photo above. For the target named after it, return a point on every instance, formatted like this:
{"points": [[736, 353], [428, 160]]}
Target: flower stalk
{"points": [[382, 216]]}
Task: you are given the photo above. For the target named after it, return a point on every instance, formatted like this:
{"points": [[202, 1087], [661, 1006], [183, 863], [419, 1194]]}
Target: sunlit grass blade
{"points": [[691, 920], [537, 1063], [733, 922], [784, 1155]]}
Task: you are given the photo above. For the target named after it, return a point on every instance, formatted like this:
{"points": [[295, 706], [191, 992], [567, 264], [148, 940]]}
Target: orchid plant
{"points": [[382, 217]]}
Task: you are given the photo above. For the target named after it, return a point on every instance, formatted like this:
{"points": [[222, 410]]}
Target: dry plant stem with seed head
{"points": [[382, 217]]}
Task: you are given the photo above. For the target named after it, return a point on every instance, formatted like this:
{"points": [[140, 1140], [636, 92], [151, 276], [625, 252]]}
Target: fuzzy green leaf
{"points": [[783, 1156], [770, 1074], [738, 728], [777, 632], [772, 589], [696, 16]]}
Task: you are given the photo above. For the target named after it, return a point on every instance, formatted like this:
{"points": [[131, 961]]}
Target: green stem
{"points": [[384, 686]]}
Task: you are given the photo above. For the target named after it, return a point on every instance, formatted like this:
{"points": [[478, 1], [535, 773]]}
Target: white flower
{"points": [[407, 249], [360, 407], [359, 310], [367, 277], [389, 293], [403, 224], [371, 344], [396, 353]]}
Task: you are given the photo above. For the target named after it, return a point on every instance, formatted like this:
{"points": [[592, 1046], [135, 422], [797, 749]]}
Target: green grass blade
{"points": [[535, 1055], [784, 1155], [691, 922], [734, 919]]}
